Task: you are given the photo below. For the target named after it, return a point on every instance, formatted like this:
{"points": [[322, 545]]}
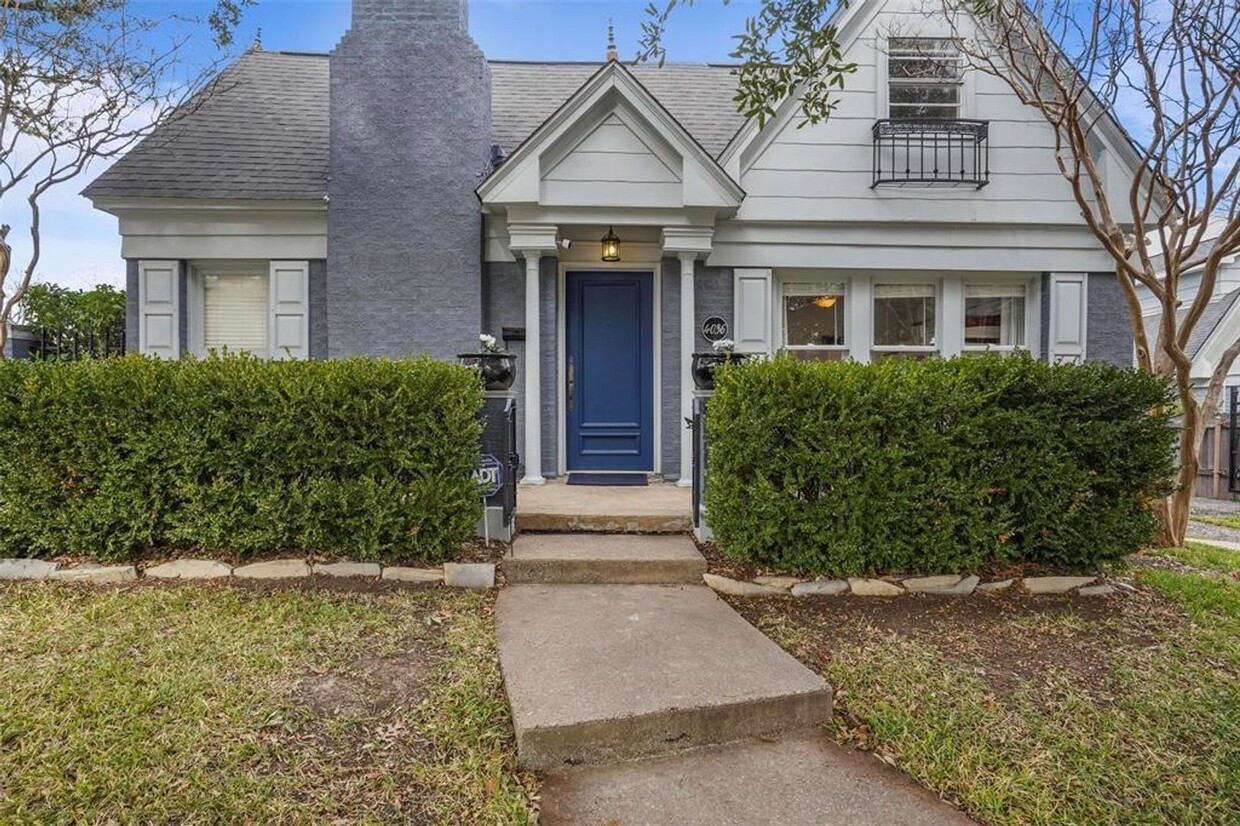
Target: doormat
{"points": [[607, 479]]}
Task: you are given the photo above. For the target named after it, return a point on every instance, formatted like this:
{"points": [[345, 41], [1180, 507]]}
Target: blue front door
{"points": [[609, 398]]}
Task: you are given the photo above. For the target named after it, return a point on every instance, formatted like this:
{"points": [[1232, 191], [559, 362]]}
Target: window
{"points": [[923, 79], [814, 321], [904, 320], [994, 317], [235, 312]]}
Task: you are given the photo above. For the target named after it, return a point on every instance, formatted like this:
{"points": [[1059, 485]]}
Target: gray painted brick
{"points": [[131, 305], [318, 309], [503, 305], [673, 424], [1108, 330], [183, 307], [1044, 313], [549, 375], [712, 295], [410, 140]]}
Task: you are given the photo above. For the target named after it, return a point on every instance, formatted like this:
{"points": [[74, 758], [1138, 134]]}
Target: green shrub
{"points": [[934, 466], [360, 457]]}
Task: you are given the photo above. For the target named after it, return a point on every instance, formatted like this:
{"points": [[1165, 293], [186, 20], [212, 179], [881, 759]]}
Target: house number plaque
{"points": [[714, 329]]}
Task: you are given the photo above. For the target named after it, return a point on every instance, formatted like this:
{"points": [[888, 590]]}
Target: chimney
{"points": [[410, 141], [612, 55]]}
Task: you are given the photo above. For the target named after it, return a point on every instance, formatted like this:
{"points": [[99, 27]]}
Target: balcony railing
{"points": [[931, 153]]}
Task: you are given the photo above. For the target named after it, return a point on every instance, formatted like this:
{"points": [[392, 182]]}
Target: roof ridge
{"points": [[531, 62]]}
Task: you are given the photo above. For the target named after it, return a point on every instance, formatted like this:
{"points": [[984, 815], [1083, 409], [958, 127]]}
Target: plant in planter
{"points": [[704, 364], [497, 367]]}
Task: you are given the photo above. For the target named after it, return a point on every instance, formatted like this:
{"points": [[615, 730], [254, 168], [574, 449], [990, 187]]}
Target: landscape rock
{"points": [[820, 588], [399, 574], [961, 589], [101, 574], [1055, 584], [274, 569], [931, 583], [26, 568], [736, 588], [781, 582], [1098, 591], [999, 585], [477, 575], [874, 588], [359, 569], [190, 569]]}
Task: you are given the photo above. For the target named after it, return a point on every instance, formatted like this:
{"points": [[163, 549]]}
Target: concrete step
{"points": [[604, 558], [801, 780], [551, 522], [601, 673]]}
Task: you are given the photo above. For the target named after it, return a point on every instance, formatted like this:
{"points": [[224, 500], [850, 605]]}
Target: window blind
{"points": [[994, 290], [235, 312], [904, 291]]}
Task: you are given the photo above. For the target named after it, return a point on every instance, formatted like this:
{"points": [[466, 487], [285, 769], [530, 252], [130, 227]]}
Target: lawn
{"points": [[1041, 710], [1222, 520], [209, 703]]}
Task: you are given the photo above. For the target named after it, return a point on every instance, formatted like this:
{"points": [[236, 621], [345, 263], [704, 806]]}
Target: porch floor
{"points": [[660, 507]]}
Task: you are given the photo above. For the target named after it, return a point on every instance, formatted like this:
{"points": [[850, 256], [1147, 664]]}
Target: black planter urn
{"points": [[704, 364], [498, 370]]}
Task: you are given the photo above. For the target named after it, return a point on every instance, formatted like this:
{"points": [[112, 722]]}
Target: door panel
{"points": [[610, 365]]}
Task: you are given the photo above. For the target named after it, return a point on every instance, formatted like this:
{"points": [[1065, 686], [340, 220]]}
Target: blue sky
{"points": [[81, 246]]}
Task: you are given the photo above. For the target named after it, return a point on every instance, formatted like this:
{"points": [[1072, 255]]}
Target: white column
{"points": [[533, 392], [687, 339]]}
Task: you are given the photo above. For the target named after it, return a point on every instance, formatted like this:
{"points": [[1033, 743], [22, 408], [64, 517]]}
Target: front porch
{"points": [[660, 507]]}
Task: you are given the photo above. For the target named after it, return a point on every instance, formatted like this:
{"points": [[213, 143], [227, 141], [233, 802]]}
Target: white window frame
{"points": [[911, 349], [959, 83], [1001, 289], [197, 298], [810, 286]]}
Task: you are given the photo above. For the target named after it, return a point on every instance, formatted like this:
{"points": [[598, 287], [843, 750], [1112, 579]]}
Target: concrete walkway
{"points": [[657, 703]]}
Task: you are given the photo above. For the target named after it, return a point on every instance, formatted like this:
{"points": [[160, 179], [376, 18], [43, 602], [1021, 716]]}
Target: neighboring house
{"points": [[403, 193], [1219, 326]]}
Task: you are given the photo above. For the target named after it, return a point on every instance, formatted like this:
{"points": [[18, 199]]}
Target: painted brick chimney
{"points": [[410, 140]]}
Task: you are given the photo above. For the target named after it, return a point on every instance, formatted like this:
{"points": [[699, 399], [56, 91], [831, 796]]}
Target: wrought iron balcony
{"points": [[931, 153]]}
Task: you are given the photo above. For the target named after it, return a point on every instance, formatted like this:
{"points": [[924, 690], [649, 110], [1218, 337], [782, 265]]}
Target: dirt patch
{"points": [[371, 686], [1009, 640]]}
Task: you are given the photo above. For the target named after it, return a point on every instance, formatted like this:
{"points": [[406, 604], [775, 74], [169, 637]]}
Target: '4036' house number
{"points": [[714, 329]]}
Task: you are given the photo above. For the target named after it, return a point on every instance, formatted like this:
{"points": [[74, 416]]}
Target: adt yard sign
{"points": [[714, 329], [490, 473]]}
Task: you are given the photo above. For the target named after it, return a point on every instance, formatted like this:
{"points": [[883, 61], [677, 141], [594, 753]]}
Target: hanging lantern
{"points": [[611, 246], [826, 302]]}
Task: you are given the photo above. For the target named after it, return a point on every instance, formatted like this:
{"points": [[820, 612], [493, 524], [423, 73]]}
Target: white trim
{"points": [[561, 358], [688, 335], [533, 385]]}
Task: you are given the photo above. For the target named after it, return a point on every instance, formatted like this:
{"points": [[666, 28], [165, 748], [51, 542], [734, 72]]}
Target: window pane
{"points": [[903, 321], [814, 319], [923, 72], [235, 312], [994, 321], [923, 94]]}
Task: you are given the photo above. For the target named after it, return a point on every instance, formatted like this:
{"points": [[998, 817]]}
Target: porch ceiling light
{"points": [[611, 246], [826, 302]]}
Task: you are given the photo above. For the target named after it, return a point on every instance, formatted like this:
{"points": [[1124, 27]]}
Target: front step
{"points": [[602, 673], [552, 522], [604, 558]]}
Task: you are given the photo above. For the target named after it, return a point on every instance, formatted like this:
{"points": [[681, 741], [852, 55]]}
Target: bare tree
{"points": [[80, 81], [1173, 66]]}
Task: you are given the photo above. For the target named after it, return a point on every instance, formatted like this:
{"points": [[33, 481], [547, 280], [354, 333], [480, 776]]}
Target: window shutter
{"points": [[158, 317], [752, 310], [1067, 317], [290, 309]]}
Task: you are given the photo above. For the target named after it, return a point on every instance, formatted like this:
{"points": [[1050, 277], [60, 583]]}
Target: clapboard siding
{"points": [[612, 166]]}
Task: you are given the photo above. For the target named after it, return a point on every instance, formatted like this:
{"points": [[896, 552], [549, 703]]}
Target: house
{"points": [[403, 193]]}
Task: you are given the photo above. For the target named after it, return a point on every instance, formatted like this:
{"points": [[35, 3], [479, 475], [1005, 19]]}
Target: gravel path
{"points": [[1202, 530]]}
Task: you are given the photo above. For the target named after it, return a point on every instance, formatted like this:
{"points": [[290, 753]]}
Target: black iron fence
{"points": [[925, 152], [71, 344]]}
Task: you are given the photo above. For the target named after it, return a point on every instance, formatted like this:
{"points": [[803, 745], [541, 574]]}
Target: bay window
{"points": [[994, 317], [814, 321], [904, 321]]}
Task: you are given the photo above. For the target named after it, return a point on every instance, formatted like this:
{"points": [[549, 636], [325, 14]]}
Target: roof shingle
{"points": [[264, 133]]}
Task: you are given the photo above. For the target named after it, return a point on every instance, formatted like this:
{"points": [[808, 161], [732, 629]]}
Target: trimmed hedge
{"points": [[934, 466], [365, 458]]}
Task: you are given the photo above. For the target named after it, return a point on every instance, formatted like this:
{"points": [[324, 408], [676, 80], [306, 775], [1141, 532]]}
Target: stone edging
{"points": [[476, 575], [950, 585]]}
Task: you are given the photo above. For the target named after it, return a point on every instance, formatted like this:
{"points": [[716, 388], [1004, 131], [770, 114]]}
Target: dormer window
{"points": [[924, 77]]}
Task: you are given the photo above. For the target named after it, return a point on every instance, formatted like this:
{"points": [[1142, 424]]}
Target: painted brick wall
{"points": [[318, 309], [410, 140], [131, 305], [712, 295], [1044, 313], [673, 425], [1108, 331], [548, 375], [503, 305]]}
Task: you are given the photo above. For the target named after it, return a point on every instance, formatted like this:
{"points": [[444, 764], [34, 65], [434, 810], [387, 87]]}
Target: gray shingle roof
{"points": [[264, 134], [1208, 323]]}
